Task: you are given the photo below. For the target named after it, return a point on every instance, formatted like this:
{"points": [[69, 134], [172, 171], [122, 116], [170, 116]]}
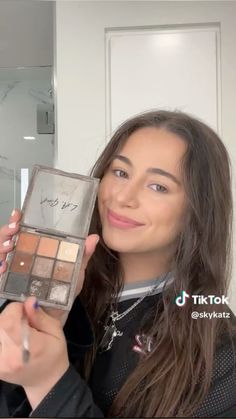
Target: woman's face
{"points": [[136, 187]]}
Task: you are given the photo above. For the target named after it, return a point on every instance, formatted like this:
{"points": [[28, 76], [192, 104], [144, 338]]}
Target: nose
{"points": [[128, 195]]}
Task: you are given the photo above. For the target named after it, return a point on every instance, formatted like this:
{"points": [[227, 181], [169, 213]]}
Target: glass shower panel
{"points": [[26, 130]]}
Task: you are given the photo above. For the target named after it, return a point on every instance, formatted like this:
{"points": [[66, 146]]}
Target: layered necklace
{"points": [[111, 331]]}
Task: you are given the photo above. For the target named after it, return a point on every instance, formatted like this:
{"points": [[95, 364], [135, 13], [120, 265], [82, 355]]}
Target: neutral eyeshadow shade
{"points": [[63, 271], [39, 288], [42, 267], [16, 283], [27, 242], [48, 247], [59, 292], [21, 262], [68, 251]]}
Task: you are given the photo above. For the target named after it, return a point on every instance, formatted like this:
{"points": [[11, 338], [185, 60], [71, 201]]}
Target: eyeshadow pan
{"points": [[27, 242], [55, 221], [21, 262], [59, 292], [42, 267], [63, 271], [39, 288], [68, 251], [47, 247], [16, 283]]}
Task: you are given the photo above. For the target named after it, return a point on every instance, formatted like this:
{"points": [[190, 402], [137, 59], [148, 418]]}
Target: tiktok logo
{"points": [[181, 300]]}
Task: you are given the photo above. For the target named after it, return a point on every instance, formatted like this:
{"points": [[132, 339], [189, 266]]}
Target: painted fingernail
{"points": [[6, 243], [13, 213], [36, 304], [1, 262], [12, 225]]}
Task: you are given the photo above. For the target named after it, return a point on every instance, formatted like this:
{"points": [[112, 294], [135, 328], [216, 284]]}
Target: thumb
{"points": [[39, 320], [90, 246]]}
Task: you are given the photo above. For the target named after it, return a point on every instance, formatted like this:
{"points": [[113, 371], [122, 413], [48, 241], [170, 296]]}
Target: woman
{"points": [[164, 219]]}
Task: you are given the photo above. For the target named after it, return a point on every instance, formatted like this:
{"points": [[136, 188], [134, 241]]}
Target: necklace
{"points": [[111, 330]]}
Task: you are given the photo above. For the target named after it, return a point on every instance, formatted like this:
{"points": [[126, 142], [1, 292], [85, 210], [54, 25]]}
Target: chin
{"points": [[119, 245]]}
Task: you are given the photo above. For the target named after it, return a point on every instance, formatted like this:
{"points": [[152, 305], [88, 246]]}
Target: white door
{"points": [[174, 68], [97, 44]]}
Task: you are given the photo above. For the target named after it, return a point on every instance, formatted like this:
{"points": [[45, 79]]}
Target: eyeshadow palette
{"points": [[48, 252]]}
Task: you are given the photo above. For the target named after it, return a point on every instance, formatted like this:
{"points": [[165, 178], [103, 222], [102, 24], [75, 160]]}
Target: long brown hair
{"points": [[175, 377]]}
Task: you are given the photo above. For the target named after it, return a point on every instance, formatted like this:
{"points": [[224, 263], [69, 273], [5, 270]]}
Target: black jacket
{"points": [[72, 397]]}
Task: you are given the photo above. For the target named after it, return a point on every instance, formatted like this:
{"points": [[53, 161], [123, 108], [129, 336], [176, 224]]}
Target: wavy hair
{"points": [[181, 363]]}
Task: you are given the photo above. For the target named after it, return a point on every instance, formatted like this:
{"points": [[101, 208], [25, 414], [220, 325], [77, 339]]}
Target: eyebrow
{"points": [[150, 169]]}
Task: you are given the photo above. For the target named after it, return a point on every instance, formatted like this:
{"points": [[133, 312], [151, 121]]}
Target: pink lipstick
{"points": [[122, 222]]}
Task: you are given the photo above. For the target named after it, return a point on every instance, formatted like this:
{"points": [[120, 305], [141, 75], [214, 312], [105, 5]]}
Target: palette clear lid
{"points": [[59, 202]]}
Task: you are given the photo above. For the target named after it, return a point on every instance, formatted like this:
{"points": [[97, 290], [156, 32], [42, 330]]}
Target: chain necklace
{"points": [[111, 331]]}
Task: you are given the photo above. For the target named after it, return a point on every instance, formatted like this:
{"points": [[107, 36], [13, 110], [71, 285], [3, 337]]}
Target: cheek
{"points": [[100, 199], [103, 194], [106, 189], [169, 216]]}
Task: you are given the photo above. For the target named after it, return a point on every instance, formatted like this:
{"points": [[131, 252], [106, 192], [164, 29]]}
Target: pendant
{"points": [[111, 332]]}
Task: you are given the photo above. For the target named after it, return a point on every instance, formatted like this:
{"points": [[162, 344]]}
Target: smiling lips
{"points": [[121, 222]]}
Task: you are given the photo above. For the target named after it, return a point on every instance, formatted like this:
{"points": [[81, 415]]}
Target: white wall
{"points": [[26, 33]]}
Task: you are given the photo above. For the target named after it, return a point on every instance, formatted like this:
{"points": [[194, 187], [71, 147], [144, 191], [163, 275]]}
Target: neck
{"points": [[138, 267]]}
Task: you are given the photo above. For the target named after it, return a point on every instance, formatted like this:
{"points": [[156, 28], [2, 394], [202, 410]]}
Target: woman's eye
{"points": [[159, 188], [155, 186], [119, 173]]}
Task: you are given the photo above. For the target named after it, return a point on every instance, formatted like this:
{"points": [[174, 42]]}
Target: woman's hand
{"points": [[6, 234], [48, 359], [7, 244]]}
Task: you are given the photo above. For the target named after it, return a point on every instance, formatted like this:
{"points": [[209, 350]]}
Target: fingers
{"points": [[3, 266], [10, 323], [40, 320], [11, 335], [56, 313], [15, 216], [6, 246], [42, 336], [6, 233], [8, 230]]}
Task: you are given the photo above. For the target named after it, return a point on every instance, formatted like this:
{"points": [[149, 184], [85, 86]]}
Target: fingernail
{"points": [[7, 243], [12, 225], [36, 304], [1, 262], [97, 240], [13, 213]]}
